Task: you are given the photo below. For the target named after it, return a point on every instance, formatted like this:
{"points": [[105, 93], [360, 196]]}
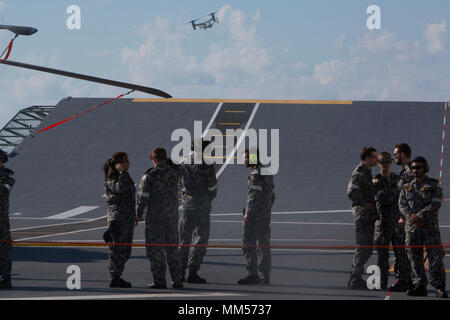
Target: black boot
{"points": [[250, 279], [177, 285], [6, 283], [400, 286], [441, 293], [418, 291], [157, 286], [195, 278], [119, 283], [264, 279], [356, 283]]}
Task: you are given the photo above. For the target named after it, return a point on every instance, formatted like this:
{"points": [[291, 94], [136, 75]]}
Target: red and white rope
{"points": [[442, 145]]}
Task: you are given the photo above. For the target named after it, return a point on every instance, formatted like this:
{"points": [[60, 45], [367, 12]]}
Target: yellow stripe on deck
{"points": [[248, 101]]}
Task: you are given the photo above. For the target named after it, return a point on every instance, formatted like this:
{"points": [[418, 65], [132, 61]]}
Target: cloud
{"points": [[375, 66], [436, 35]]}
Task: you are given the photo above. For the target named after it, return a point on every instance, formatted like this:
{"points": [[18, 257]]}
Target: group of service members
{"points": [[401, 210], [170, 234]]}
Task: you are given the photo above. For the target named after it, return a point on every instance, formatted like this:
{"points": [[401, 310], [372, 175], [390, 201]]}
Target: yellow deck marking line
{"points": [[253, 101], [229, 124]]}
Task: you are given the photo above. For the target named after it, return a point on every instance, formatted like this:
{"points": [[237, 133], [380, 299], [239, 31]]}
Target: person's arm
{"points": [[142, 197], [212, 183], [6, 184], [403, 204], [354, 189], [430, 211]]}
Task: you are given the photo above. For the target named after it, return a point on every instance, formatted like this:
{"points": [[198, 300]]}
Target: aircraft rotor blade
{"points": [[153, 91], [25, 31]]}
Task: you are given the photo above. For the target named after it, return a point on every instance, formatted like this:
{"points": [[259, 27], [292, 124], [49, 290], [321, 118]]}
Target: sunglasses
{"points": [[417, 167]]}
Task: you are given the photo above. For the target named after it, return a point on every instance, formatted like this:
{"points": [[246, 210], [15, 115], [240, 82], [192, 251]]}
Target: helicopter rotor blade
{"points": [[149, 90]]}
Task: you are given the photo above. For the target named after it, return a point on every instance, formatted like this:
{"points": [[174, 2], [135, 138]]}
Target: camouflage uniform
{"points": [[158, 196], [198, 189], [120, 198], [402, 272], [6, 183], [360, 190], [260, 199], [387, 229], [425, 199]]}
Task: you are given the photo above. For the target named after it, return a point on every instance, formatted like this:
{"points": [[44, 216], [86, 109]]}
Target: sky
{"points": [[305, 50]]}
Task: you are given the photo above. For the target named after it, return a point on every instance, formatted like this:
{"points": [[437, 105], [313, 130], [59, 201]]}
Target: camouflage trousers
{"points": [[385, 234], [5, 250], [120, 254], [194, 229], [426, 236], [161, 237], [365, 228], [257, 233]]}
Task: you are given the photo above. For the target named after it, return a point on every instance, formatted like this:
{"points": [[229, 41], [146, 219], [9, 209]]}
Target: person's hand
{"points": [[369, 206], [137, 220], [414, 218], [401, 223], [245, 218]]}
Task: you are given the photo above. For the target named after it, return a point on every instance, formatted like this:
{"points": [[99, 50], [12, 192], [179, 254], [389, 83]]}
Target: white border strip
{"points": [[241, 138], [212, 119], [132, 296]]}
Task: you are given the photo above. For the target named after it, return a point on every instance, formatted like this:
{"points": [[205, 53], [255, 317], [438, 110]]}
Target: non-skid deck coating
{"points": [[59, 170]]}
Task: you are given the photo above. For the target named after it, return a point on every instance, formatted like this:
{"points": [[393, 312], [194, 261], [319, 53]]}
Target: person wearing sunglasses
{"points": [[386, 196], [361, 192], [420, 201]]}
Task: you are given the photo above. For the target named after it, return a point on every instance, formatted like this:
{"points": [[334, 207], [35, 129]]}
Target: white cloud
{"points": [[436, 35]]}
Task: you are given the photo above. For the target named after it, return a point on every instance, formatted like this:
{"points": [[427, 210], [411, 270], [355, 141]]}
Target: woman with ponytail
{"points": [[120, 199]]}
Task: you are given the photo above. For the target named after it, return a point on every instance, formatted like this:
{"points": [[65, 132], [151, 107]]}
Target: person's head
{"points": [[251, 158], [384, 161], [402, 154], [3, 158], [201, 144], [368, 155], [158, 155], [119, 162], [419, 167]]}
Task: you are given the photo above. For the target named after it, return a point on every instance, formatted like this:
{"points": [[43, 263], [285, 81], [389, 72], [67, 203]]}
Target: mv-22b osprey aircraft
{"points": [[205, 24]]}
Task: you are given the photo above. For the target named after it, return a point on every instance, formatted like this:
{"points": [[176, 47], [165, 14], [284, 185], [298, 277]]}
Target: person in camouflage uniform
{"points": [[420, 201], [386, 197], [402, 157], [6, 184], [361, 192], [257, 214], [120, 199], [158, 197], [198, 189]]}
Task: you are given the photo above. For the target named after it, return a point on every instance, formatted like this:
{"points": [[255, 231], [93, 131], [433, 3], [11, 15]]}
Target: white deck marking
{"points": [[241, 138], [62, 233], [132, 296], [59, 224], [296, 222], [73, 212], [211, 121], [286, 212]]}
